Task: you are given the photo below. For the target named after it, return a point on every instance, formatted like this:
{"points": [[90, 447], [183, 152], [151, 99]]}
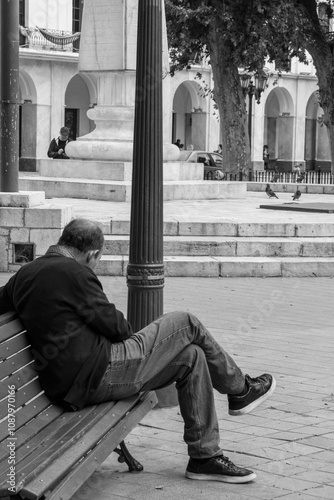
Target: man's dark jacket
{"points": [[55, 145], [70, 324]]}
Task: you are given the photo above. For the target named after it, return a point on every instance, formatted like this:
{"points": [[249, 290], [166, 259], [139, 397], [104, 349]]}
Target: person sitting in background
{"points": [[57, 146]]}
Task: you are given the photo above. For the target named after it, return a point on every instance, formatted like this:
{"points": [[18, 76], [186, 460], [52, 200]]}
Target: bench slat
{"points": [[8, 330], [55, 439], [19, 378], [30, 430], [58, 439], [26, 393], [14, 363], [22, 397], [31, 410], [42, 483], [77, 448], [30, 447], [13, 345]]}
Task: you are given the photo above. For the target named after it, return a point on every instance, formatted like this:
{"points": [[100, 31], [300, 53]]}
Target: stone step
{"points": [[222, 246], [116, 265], [120, 191], [227, 228]]}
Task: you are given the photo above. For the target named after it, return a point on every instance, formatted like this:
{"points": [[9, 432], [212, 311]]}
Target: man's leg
{"points": [[177, 347]]}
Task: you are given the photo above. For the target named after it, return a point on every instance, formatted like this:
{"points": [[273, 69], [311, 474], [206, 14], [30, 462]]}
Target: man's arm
{"points": [[5, 302], [53, 149], [96, 311]]}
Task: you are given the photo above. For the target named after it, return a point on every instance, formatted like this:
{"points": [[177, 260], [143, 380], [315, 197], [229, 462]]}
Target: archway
{"points": [[27, 122], [80, 95], [317, 147], [279, 126], [190, 116]]}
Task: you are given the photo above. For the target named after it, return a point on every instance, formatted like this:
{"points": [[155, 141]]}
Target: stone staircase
{"points": [[214, 230], [232, 249]]}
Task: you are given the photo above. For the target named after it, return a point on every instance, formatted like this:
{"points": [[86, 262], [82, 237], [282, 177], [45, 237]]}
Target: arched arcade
{"points": [[279, 124], [190, 115]]}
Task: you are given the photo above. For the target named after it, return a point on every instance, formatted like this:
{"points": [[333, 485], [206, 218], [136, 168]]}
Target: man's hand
{"points": [[60, 151]]}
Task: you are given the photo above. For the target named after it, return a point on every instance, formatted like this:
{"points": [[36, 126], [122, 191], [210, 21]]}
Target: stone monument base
{"points": [[111, 181]]}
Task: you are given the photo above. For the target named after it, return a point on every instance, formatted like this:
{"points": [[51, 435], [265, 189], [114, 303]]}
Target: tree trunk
{"points": [[322, 52], [231, 104], [326, 91], [322, 55]]}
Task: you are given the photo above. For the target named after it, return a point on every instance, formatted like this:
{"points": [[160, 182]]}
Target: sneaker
{"points": [[259, 389], [218, 469]]}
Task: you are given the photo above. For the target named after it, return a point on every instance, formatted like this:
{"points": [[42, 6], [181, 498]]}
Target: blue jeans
{"points": [[175, 348]]}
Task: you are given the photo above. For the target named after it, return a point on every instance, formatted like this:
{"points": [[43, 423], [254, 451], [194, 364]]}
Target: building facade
{"points": [[53, 93]]}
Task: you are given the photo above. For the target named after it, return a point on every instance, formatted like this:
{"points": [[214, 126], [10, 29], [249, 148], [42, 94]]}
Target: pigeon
{"points": [[297, 195], [270, 192]]}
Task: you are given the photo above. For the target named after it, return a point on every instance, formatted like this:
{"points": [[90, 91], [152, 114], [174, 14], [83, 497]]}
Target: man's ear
{"points": [[92, 255]]}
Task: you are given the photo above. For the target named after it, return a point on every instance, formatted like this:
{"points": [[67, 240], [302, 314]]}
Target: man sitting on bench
{"points": [[87, 353]]}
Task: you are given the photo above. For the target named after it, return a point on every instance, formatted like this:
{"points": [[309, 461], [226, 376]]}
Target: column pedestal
{"points": [[108, 49]]}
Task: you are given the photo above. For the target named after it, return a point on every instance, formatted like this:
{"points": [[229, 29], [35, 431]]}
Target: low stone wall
{"points": [[286, 187], [114, 170], [28, 226]]}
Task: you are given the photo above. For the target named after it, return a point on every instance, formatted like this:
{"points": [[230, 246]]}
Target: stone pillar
{"points": [[108, 48], [258, 135], [9, 158]]}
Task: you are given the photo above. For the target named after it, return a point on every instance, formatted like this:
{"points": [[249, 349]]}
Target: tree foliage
{"points": [[246, 34], [254, 29]]}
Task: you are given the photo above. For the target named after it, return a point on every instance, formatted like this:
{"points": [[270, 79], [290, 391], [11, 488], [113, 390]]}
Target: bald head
{"points": [[82, 235]]}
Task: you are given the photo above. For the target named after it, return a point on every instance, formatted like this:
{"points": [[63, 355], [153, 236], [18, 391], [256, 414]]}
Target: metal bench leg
{"points": [[125, 456]]}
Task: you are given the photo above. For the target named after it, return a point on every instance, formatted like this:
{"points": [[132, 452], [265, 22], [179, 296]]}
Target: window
{"points": [[22, 13], [22, 20], [77, 7]]}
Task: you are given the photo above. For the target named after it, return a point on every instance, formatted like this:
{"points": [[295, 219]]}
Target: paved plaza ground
{"points": [[280, 325], [233, 210]]}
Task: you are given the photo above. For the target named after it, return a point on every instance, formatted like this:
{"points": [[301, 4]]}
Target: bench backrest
{"points": [[21, 395]]}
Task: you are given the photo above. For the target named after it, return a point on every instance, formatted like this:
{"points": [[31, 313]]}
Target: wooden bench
{"points": [[44, 450]]}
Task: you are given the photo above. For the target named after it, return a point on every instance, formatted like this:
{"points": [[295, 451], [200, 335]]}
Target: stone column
{"points": [[258, 135], [9, 57], [108, 48]]}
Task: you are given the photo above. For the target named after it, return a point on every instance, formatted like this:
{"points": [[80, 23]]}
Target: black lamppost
{"points": [[253, 85], [145, 272]]}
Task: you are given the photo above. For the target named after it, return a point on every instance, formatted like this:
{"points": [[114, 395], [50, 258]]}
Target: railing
{"points": [[65, 41], [309, 177]]}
